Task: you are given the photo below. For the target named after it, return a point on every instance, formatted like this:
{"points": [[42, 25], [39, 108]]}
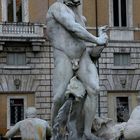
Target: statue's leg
{"points": [[90, 110], [62, 75], [88, 75]]}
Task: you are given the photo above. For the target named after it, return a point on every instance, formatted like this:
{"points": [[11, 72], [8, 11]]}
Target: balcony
{"points": [[21, 32]]}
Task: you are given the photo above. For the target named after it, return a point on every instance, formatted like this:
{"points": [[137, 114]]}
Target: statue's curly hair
{"points": [[31, 112]]}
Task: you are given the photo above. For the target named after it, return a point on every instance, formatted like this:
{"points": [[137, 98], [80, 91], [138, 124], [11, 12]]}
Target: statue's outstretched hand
{"points": [[103, 37]]}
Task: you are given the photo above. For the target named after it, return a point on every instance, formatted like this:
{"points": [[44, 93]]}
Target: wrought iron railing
{"points": [[21, 29]]}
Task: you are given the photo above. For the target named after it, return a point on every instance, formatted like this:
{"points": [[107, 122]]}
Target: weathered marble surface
{"points": [[132, 128], [31, 128], [68, 35], [109, 130]]}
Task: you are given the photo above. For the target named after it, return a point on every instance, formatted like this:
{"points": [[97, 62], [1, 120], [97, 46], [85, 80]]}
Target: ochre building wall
{"points": [[89, 11], [89, 14], [136, 18], [38, 10], [103, 12], [3, 109], [136, 11]]}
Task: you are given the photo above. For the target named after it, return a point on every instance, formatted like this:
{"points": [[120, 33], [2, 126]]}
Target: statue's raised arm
{"points": [[65, 16]]}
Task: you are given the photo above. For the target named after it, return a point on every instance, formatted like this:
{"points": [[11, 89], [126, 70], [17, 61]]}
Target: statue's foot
{"points": [[90, 136]]}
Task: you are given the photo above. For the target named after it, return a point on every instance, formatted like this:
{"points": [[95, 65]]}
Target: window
{"points": [[121, 59], [122, 109], [16, 106], [14, 10], [120, 13], [16, 110], [121, 104], [16, 59]]}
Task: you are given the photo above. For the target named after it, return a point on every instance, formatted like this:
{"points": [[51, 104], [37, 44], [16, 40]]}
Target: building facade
{"points": [[119, 67], [119, 62], [26, 58], [25, 61]]}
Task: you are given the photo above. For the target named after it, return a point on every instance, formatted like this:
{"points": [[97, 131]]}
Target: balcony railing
{"points": [[21, 30]]}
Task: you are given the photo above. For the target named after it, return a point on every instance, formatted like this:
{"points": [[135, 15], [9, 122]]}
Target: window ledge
{"points": [[123, 68], [17, 67]]}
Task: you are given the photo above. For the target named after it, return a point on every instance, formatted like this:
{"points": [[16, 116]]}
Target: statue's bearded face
{"points": [[72, 2]]}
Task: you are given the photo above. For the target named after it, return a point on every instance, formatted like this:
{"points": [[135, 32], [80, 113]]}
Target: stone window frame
{"points": [[16, 56], [129, 104], [15, 49], [118, 55], [122, 105], [8, 107], [25, 11], [129, 8], [132, 95]]}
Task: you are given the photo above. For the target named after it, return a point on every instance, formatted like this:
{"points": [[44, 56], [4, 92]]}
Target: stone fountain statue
{"points": [[31, 128], [109, 130], [75, 75]]}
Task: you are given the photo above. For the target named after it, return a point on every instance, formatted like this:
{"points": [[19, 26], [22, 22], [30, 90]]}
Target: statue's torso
{"points": [[62, 39], [33, 129]]}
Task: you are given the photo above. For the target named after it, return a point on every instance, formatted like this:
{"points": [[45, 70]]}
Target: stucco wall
{"points": [[89, 12], [136, 18], [136, 11], [38, 10], [103, 12]]}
